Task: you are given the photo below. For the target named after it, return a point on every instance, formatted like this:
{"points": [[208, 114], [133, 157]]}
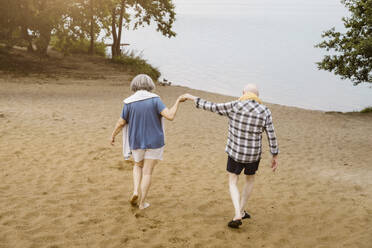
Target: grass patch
{"points": [[69, 46], [3, 50], [19, 63], [137, 65], [366, 110]]}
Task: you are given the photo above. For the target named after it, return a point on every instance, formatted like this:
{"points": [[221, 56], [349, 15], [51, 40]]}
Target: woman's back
{"points": [[144, 123]]}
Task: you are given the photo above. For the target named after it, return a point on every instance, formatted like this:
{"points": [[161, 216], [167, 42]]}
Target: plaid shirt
{"points": [[247, 121]]}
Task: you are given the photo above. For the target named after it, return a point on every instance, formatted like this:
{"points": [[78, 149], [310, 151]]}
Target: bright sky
{"points": [[241, 7]]}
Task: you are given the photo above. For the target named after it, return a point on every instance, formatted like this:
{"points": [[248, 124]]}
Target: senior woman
{"points": [[143, 133]]}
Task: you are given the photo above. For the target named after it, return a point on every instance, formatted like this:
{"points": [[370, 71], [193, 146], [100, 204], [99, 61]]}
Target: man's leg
{"points": [[137, 176], [147, 170], [234, 192], [247, 189]]}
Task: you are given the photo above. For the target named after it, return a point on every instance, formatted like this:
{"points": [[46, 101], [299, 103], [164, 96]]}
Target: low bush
{"points": [[136, 64], [366, 110]]}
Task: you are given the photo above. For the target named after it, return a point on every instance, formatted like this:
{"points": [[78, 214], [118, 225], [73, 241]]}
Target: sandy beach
{"points": [[63, 185]]}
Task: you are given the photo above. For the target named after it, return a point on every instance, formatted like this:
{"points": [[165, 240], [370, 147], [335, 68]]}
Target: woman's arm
{"points": [[118, 127], [169, 114]]}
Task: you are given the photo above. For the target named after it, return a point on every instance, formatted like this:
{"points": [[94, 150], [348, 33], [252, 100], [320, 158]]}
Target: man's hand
{"points": [[189, 97], [274, 162], [112, 141]]}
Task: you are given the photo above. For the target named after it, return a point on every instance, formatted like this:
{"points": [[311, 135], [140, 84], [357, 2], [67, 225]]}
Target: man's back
{"points": [[247, 120]]}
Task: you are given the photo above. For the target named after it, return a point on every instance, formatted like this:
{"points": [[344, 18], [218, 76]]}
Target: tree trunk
{"points": [[9, 39], [45, 30], [122, 9], [114, 35], [44, 40], [91, 48], [26, 36]]}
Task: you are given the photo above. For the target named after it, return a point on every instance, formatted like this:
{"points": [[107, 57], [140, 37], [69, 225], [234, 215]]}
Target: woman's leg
{"points": [[147, 170], [137, 176]]}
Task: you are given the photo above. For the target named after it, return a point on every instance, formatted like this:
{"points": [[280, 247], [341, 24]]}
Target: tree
{"points": [[34, 22], [28, 20], [140, 13], [84, 20], [43, 17], [351, 51], [12, 23], [117, 16]]}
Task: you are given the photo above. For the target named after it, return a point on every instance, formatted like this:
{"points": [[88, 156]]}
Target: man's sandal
{"points": [[246, 215], [234, 223]]}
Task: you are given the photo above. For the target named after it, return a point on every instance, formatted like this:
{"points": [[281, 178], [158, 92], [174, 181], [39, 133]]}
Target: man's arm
{"points": [[169, 114], [273, 143], [118, 127], [219, 108]]}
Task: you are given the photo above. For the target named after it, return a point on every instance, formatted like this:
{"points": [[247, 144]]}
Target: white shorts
{"points": [[141, 154]]}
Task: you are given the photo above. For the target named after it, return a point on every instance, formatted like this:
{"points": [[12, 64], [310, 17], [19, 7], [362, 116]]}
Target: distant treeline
{"points": [[76, 24]]}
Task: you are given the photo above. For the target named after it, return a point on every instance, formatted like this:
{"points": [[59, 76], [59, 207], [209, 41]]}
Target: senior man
{"points": [[248, 118]]}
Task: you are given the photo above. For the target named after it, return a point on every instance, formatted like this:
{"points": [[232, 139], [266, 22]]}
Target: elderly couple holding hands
{"points": [[143, 137]]}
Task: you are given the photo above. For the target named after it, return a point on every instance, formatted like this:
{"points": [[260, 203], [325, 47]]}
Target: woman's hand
{"points": [[181, 98], [112, 141], [169, 114]]}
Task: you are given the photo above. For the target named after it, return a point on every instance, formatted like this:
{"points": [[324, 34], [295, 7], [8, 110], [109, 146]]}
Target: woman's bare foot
{"points": [[145, 205], [133, 200]]}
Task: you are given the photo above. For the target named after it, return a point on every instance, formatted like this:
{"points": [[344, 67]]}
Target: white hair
{"points": [[142, 82], [251, 88]]}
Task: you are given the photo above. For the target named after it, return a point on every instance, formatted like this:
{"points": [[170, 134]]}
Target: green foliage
{"points": [[67, 46], [33, 22], [137, 65], [367, 110], [138, 13], [351, 55], [84, 20], [160, 11]]}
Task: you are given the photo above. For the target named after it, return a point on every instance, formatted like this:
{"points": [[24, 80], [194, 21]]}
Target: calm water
{"points": [[223, 44]]}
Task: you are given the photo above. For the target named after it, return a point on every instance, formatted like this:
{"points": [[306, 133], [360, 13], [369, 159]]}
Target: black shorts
{"points": [[236, 167]]}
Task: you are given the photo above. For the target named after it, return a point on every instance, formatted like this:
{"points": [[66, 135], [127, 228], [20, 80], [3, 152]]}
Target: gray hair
{"points": [[251, 88], [142, 82]]}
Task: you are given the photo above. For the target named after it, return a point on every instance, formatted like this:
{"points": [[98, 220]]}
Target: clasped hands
{"points": [[184, 97]]}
